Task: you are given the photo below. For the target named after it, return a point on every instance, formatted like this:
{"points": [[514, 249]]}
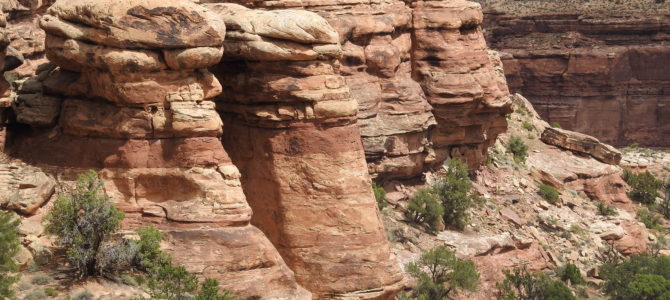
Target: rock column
{"points": [[462, 79], [132, 97], [291, 129]]}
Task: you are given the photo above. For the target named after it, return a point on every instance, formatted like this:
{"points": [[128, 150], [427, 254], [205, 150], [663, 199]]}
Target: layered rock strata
{"points": [[416, 109], [596, 67], [131, 97], [4, 85], [581, 143], [291, 129]]}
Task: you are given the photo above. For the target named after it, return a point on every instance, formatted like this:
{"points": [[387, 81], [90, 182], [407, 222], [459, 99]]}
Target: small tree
{"points": [[9, 247], [439, 272], [570, 273], [424, 208], [650, 219], [82, 221], [149, 255], [640, 277], [518, 148], [644, 187], [454, 191], [210, 291], [520, 284], [380, 195]]}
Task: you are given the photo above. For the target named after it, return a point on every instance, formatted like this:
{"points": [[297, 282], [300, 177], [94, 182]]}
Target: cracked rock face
{"points": [[130, 95]]}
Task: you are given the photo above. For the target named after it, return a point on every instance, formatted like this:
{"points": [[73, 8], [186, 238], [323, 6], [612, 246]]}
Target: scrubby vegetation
{"points": [[82, 221], [644, 186], [528, 126], [448, 200], [439, 272], [650, 219], [518, 148], [570, 273], [380, 195], [549, 193], [604, 209], [9, 246], [520, 284], [640, 277]]}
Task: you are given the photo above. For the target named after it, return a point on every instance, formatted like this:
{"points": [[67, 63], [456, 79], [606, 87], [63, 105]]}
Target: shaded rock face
{"points": [[598, 68], [290, 126], [426, 85], [4, 85], [132, 98]]}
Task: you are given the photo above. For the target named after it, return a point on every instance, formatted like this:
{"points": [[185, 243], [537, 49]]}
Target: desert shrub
{"points": [[640, 277], [528, 126], [454, 193], [84, 295], [644, 187], [210, 291], [664, 206], [556, 125], [439, 272], [41, 279], [604, 209], [82, 221], [570, 273], [37, 294], [380, 195], [518, 148], [115, 256], [149, 254], [9, 247], [51, 292], [650, 219], [520, 284], [549, 193], [425, 209]]}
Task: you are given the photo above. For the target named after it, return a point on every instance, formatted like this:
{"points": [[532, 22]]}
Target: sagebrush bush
{"points": [[425, 209], [650, 219], [548, 193], [37, 294], [518, 148], [82, 221], [41, 279], [9, 247]]}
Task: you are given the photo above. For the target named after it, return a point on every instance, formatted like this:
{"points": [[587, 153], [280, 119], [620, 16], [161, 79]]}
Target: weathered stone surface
{"points": [[131, 24], [24, 189], [595, 67], [582, 143], [37, 109]]}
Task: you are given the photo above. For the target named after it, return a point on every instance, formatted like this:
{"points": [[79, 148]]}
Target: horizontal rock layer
{"points": [[597, 68]]}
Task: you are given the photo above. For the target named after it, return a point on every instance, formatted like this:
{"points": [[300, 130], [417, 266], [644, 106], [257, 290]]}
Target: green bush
{"points": [[556, 125], [82, 221], [425, 209], [650, 219], [644, 187], [570, 273], [210, 291], [454, 192], [664, 206], [438, 272], [606, 210], [528, 126], [520, 284], [51, 292], [518, 148], [549, 193], [640, 277], [149, 254], [380, 195], [41, 279], [9, 247]]}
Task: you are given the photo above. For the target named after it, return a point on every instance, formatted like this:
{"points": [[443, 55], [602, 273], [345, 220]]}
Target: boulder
{"points": [[582, 143], [24, 189]]}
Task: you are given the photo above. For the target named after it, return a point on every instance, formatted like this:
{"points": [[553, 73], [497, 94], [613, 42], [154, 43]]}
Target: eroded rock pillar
{"points": [[290, 126], [131, 96]]}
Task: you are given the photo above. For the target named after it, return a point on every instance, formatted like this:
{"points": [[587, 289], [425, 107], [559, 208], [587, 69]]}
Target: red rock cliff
{"points": [[598, 67]]}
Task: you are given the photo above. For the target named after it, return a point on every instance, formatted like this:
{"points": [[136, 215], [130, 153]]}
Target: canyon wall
{"points": [[596, 67], [426, 85]]}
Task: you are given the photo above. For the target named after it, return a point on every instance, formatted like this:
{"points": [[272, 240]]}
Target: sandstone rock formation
{"points": [[290, 126], [416, 109], [597, 67], [131, 97], [24, 189], [4, 85], [582, 143]]}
